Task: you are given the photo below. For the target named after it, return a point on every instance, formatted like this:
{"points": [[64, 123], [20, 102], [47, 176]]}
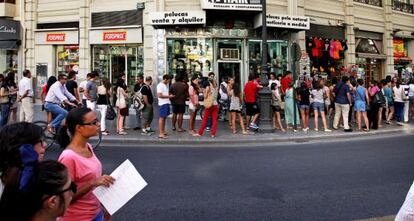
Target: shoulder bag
{"points": [[110, 112]]}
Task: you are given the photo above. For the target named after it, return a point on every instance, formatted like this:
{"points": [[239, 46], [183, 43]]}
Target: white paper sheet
{"points": [[128, 182]]}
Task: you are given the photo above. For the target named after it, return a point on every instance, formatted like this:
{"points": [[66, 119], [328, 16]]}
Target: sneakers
{"points": [[348, 130], [208, 129], [146, 132], [253, 126], [137, 128], [327, 130]]}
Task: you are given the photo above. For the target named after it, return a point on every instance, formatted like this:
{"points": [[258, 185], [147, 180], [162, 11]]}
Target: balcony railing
{"points": [[370, 2], [402, 6]]}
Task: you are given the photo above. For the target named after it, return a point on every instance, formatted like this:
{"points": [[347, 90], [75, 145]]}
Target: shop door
{"points": [[229, 69], [117, 63]]}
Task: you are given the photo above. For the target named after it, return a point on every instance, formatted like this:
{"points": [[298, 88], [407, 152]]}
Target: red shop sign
{"points": [[115, 36], [56, 37]]}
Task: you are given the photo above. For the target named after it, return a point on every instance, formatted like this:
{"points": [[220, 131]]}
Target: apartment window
{"points": [[403, 6], [370, 2], [8, 1]]}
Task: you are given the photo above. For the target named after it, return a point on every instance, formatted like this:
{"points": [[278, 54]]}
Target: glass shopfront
{"points": [[277, 56], [192, 55], [67, 58], [112, 60], [8, 60]]}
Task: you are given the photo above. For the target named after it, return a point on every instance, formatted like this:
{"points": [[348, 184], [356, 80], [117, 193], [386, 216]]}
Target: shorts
{"points": [[252, 109], [276, 108], [147, 114], [236, 111], [391, 104], [317, 106], [304, 106], [178, 108], [124, 111], [164, 110]]}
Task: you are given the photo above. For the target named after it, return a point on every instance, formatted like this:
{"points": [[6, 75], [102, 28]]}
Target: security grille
{"points": [[117, 18], [229, 54]]}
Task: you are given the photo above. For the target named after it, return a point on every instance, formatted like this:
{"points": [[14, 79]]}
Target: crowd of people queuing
{"points": [[333, 103]]}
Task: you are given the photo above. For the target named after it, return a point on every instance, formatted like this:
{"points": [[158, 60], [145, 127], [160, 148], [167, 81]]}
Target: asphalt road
{"points": [[341, 180]]}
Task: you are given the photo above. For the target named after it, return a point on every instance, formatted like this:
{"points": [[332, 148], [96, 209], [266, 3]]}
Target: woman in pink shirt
{"points": [[84, 167]]}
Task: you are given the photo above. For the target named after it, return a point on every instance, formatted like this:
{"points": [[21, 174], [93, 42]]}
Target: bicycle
{"points": [[51, 139]]}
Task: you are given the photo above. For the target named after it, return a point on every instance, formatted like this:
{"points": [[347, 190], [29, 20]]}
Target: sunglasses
{"points": [[94, 122], [73, 188]]}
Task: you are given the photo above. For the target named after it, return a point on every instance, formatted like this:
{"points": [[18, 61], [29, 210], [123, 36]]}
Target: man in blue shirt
{"points": [[342, 103]]}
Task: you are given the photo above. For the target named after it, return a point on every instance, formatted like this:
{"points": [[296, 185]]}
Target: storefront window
{"points": [[67, 58], [111, 61], [8, 60], [277, 56], [189, 56]]}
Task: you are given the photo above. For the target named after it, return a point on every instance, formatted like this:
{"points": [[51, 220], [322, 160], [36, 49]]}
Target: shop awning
{"points": [[9, 45], [404, 59], [372, 56]]}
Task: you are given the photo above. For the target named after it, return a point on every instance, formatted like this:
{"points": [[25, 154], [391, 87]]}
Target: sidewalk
{"points": [[224, 135]]}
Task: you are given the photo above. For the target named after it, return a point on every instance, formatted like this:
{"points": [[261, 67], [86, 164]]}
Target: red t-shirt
{"points": [[250, 91], [285, 83]]}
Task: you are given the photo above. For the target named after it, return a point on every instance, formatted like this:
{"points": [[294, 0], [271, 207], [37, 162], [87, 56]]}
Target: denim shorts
{"points": [[318, 106], [304, 107], [164, 110]]}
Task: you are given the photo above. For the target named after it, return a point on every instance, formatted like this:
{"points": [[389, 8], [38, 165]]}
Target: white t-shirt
{"points": [[25, 84], [274, 81], [318, 96], [411, 91], [83, 86], [165, 91], [398, 93]]}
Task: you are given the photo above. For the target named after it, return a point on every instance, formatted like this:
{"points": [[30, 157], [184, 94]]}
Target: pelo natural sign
{"points": [[178, 18]]}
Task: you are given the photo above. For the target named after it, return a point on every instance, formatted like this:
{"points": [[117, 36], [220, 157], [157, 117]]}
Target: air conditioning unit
{"points": [[229, 54]]}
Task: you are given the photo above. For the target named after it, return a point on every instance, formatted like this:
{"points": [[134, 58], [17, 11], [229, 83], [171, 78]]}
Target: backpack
{"points": [[138, 100]]}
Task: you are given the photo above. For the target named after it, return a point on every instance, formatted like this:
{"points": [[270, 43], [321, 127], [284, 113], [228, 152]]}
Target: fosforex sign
{"points": [[64, 37], [240, 5], [55, 37], [115, 36], [177, 17]]}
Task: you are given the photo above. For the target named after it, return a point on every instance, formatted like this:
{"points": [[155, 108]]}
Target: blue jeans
{"points": [[99, 217], [5, 110], [58, 111], [399, 111]]}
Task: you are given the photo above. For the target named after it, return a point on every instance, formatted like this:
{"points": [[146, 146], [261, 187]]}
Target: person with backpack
{"points": [[373, 92], [179, 90], [361, 103], [137, 89]]}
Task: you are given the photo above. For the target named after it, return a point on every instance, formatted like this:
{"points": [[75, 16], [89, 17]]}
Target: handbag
{"points": [[208, 102], [379, 99], [110, 112]]}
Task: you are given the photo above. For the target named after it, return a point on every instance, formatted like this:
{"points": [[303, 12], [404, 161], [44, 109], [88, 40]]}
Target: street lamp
{"points": [[265, 95]]}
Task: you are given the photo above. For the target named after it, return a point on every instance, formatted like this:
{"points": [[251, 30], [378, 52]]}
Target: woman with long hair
{"points": [[276, 107], [48, 193], [304, 104], [104, 94], [13, 89], [194, 105], [399, 96], [210, 92], [84, 167], [361, 103], [319, 96], [45, 89], [121, 104], [389, 107], [4, 103], [234, 92], [21, 147], [290, 108]]}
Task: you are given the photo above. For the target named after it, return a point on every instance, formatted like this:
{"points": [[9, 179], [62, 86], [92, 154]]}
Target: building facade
{"points": [[154, 37]]}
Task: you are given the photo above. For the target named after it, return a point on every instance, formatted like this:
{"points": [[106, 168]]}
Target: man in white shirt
{"points": [[82, 88], [26, 97], [406, 102], [163, 93], [56, 95]]}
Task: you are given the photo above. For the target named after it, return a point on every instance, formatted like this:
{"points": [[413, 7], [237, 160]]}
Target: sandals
{"points": [[163, 137], [122, 132], [50, 129], [196, 135], [181, 130]]}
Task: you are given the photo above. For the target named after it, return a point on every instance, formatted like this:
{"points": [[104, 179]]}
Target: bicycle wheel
{"points": [[50, 139]]}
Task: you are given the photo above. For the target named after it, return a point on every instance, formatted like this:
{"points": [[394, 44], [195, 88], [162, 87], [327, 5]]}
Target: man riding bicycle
{"points": [[57, 95]]}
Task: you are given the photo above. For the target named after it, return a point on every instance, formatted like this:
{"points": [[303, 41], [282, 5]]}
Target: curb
{"points": [[262, 138]]}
